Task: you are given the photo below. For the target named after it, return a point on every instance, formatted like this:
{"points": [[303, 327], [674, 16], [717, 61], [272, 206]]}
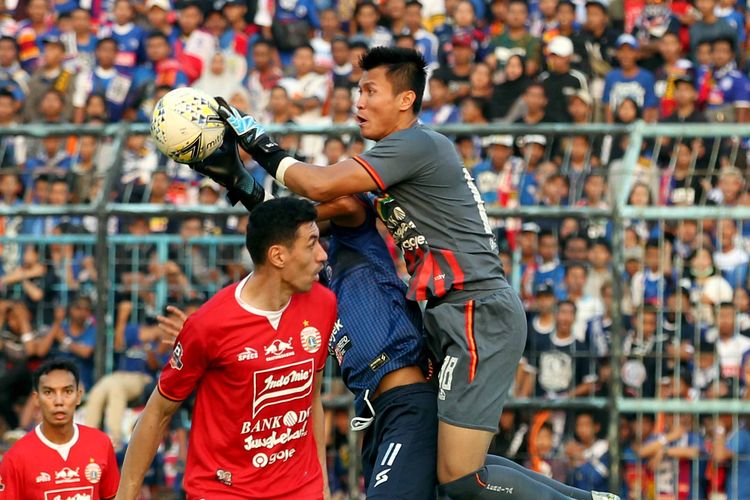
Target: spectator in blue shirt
{"points": [[139, 358], [630, 81], [588, 455], [722, 88], [73, 338]]}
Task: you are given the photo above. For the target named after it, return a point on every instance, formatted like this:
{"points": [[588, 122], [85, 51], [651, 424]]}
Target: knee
{"points": [[448, 471]]}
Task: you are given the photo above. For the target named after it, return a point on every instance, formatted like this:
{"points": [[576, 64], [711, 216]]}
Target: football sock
{"points": [[556, 485], [496, 481]]}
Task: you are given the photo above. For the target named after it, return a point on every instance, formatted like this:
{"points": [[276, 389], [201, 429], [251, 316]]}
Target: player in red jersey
{"points": [[59, 459], [255, 353]]}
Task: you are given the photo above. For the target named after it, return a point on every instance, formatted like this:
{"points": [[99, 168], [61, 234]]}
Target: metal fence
{"points": [[642, 147]]}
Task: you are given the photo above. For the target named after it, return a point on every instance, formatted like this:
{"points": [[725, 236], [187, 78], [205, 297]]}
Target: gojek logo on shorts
{"points": [[285, 429]]}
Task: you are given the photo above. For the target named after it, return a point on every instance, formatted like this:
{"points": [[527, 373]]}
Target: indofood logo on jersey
{"points": [[282, 384], [81, 493]]}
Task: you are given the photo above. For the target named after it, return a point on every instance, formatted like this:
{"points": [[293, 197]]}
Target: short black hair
{"points": [[405, 70], [574, 265], [276, 222], [567, 302], [157, 34], [52, 365], [725, 39], [104, 40], [265, 41], [362, 5]]}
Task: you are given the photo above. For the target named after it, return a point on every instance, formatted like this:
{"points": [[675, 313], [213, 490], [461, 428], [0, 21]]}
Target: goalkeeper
{"points": [[474, 320]]}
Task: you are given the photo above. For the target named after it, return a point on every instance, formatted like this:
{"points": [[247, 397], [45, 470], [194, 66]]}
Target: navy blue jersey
{"points": [[378, 329]]}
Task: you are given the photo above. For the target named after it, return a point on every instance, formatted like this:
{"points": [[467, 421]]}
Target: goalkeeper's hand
{"points": [[251, 136], [225, 167]]}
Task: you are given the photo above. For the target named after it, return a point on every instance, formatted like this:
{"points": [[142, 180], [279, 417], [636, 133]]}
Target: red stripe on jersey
{"points": [[458, 274], [469, 319], [423, 277], [373, 173]]}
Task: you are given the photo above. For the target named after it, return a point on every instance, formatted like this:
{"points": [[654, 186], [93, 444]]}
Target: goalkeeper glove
{"points": [[225, 167], [252, 137]]}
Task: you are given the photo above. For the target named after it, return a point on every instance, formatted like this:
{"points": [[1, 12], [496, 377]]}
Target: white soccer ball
{"points": [[185, 125]]}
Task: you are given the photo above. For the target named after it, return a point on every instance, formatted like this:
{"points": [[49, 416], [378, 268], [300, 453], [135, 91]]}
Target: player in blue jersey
{"points": [[474, 320], [378, 343]]}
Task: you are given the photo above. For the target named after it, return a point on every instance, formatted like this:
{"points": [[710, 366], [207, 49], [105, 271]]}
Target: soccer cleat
{"points": [[598, 495]]}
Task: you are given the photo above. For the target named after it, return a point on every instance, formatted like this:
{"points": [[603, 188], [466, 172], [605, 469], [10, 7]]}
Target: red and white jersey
{"points": [[252, 435], [85, 468]]}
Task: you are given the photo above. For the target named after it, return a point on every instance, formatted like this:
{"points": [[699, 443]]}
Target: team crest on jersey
{"points": [[311, 339], [93, 472], [176, 360], [43, 477]]}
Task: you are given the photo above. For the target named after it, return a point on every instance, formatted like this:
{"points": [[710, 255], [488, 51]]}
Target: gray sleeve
{"points": [[400, 156]]}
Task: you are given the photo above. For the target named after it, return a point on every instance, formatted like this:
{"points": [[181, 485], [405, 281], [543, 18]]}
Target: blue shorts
{"points": [[399, 450]]}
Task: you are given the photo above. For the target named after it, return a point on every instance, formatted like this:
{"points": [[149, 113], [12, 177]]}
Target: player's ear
{"points": [[276, 256], [407, 99], [79, 395]]}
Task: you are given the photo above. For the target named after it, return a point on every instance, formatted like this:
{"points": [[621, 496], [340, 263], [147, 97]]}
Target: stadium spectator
{"points": [[515, 36], [708, 288], [722, 89], [731, 445], [731, 345], [709, 27], [629, 81], [440, 110], [50, 75], [588, 455], [506, 101], [139, 350], [13, 78], [560, 81], [73, 336]]}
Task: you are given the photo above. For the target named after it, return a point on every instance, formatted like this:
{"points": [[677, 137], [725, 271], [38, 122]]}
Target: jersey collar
{"points": [[62, 449]]}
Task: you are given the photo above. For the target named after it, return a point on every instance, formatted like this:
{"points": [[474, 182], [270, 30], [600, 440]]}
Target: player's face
{"points": [[305, 259], [58, 397], [378, 106]]}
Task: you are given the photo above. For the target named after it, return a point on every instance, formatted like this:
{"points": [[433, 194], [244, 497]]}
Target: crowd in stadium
{"points": [[686, 307]]}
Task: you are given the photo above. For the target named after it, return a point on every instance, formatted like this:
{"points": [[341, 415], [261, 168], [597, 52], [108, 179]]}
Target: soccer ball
{"points": [[185, 125]]}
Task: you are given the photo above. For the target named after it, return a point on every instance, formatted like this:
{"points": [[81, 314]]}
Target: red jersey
{"points": [[251, 434], [85, 468]]}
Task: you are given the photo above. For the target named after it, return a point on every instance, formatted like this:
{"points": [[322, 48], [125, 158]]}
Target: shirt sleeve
{"points": [[189, 360], [110, 475], [398, 157], [741, 89], [10, 482]]}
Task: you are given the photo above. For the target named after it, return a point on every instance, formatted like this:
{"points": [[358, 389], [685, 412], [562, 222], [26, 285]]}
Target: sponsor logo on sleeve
{"points": [[176, 360], [247, 354], [67, 475], [278, 349], [311, 339], [282, 384], [379, 361], [343, 345], [93, 472], [43, 477]]}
